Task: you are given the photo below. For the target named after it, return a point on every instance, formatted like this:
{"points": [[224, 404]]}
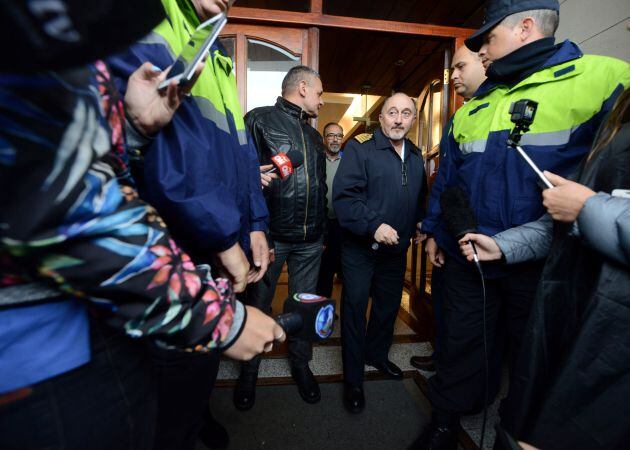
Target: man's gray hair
{"points": [[331, 124], [295, 75], [546, 20], [415, 107]]}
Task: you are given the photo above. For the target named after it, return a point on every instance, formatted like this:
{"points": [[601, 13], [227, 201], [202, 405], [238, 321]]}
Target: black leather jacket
{"points": [[297, 204]]}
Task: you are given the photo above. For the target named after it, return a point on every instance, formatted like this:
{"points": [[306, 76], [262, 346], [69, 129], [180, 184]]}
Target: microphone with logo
{"points": [[308, 316], [286, 163]]}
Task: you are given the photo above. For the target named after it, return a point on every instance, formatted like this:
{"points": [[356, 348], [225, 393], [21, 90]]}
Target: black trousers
{"points": [[458, 386], [185, 382], [331, 259], [379, 274], [108, 403], [438, 315]]}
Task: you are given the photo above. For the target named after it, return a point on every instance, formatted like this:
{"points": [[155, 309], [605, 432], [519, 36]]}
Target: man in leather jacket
{"points": [[297, 214]]}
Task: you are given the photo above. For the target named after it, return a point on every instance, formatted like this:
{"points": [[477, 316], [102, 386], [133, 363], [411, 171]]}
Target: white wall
{"points": [[599, 27]]}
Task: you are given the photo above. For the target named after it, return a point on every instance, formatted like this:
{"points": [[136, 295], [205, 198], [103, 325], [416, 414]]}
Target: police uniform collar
{"points": [[291, 109], [566, 51]]}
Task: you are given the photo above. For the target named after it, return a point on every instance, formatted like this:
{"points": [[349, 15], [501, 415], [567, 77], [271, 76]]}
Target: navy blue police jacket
{"points": [[374, 186]]}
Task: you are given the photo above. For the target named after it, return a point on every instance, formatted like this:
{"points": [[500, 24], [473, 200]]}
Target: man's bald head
{"points": [[397, 97], [397, 116], [467, 72]]}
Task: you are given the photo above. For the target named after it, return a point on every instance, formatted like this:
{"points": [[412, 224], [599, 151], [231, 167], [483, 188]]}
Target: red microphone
{"points": [[286, 163]]}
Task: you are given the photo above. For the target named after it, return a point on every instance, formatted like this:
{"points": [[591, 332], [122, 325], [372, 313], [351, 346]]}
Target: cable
{"points": [[485, 345]]}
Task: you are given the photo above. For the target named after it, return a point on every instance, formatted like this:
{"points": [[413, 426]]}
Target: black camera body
{"points": [[523, 112], [522, 115]]}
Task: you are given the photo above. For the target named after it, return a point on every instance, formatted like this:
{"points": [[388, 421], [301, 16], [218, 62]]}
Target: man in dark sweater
{"points": [[378, 196]]}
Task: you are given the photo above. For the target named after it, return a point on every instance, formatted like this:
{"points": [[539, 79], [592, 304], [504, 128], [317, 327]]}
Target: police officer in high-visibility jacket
{"points": [[574, 93]]}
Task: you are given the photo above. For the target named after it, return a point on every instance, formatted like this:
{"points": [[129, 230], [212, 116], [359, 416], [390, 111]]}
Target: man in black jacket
{"points": [[378, 195], [297, 212]]}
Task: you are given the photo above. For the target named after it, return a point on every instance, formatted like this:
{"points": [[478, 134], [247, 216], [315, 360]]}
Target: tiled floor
{"points": [[327, 361]]}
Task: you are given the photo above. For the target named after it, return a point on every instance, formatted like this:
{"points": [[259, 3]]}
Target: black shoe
{"points": [[423, 363], [307, 384], [353, 398], [387, 368], [436, 437], [245, 390], [213, 434]]}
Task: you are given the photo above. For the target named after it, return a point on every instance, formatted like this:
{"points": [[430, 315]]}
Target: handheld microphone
{"points": [[286, 163], [308, 316], [458, 215], [459, 220]]}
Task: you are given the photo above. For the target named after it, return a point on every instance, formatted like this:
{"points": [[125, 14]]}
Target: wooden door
{"points": [[263, 55]]}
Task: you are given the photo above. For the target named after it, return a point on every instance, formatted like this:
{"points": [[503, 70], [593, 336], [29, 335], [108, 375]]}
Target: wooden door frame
{"points": [[313, 21]]}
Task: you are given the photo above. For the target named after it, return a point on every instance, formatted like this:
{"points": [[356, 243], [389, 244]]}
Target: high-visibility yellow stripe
{"points": [[567, 97]]}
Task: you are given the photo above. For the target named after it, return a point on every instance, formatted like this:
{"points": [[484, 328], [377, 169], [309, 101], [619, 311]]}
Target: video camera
{"points": [[522, 115]]}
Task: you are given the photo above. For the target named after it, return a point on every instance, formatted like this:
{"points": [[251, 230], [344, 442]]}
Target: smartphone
{"points": [[200, 42]]}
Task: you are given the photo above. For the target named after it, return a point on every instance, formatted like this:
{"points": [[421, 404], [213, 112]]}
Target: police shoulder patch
{"points": [[363, 137]]}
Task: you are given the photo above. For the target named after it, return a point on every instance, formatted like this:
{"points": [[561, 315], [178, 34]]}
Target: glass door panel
{"points": [[267, 64], [263, 55]]}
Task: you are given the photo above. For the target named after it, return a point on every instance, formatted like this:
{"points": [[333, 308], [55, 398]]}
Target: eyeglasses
{"points": [[394, 113], [334, 136]]}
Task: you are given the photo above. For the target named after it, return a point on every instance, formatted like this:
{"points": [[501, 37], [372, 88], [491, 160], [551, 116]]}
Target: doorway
{"points": [[359, 68]]}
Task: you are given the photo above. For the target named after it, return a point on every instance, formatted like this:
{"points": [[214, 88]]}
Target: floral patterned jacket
{"points": [[65, 218]]}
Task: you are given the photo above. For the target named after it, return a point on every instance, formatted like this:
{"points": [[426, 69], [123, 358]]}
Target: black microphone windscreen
{"points": [[457, 214], [296, 157]]}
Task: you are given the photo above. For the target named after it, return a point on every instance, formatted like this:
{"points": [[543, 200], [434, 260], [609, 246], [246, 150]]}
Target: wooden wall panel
{"points": [[289, 38], [255, 15]]}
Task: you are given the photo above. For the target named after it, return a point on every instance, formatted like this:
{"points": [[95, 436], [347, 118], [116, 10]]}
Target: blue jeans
{"points": [[303, 259], [108, 403]]}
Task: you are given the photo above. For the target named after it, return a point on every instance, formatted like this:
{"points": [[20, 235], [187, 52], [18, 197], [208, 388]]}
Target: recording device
{"points": [[286, 163], [459, 220], [308, 316], [523, 112], [522, 115], [458, 216], [197, 47]]}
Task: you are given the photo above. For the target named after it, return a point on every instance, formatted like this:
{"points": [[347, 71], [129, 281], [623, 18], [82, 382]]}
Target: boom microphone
{"points": [[458, 216], [308, 316], [286, 163]]}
